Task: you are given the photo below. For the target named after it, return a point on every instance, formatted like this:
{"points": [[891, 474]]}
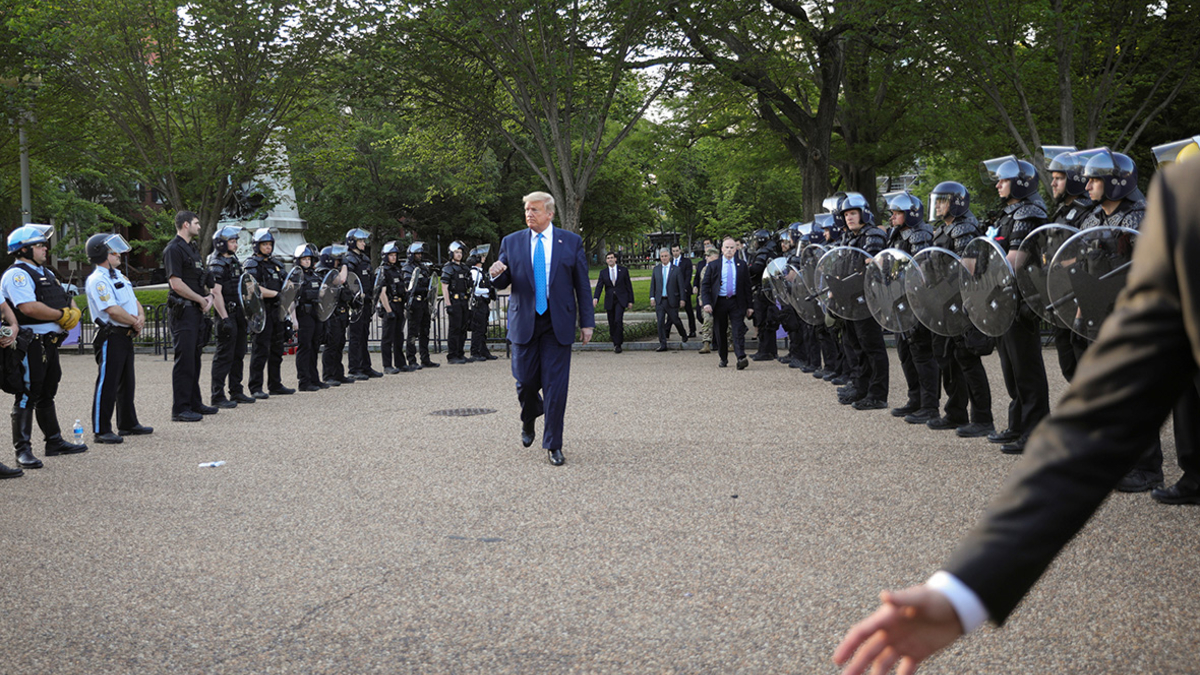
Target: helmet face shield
{"points": [[305, 251], [338, 250], [357, 233], [1052, 152], [1176, 151], [417, 247], [1115, 170], [228, 232], [949, 199], [117, 244], [263, 234], [390, 248], [998, 169]]}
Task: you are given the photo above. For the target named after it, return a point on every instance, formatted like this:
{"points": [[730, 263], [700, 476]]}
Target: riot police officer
{"points": [[119, 317], [335, 326], [389, 285], [456, 293], [766, 315], [419, 284], [963, 375], [869, 390], [482, 294], [309, 326], [189, 301], [910, 233], [825, 232], [788, 318], [229, 359], [1068, 187], [267, 349], [1020, 347], [358, 262], [1112, 185], [44, 311]]}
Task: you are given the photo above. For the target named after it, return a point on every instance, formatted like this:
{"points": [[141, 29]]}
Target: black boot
{"points": [[9, 472], [47, 420], [22, 426]]}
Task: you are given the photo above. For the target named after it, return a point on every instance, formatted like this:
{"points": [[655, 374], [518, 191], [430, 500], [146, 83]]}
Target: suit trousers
{"points": [[616, 324], [186, 324], [267, 351], [359, 357], [542, 368], [668, 315], [915, 351], [727, 316], [114, 383], [1024, 373]]}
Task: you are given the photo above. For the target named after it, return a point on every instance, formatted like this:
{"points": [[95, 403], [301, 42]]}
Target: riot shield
{"points": [[934, 287], [840, 282], [1086, 275], [809, 257], [287, 294], [775, 280], [1036, 254], [357, 300], [884, 290], [804, 302], [327, 297], [250, 296], [989, 287]]}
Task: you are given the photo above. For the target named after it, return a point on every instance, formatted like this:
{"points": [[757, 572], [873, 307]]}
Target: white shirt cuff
{"points": [[971, 612]]}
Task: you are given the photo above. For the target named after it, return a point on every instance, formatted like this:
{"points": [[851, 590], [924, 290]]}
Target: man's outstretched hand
{"points": [[908, 628]]}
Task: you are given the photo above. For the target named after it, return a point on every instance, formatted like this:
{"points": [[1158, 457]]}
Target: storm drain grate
{"points": [[463, 412]]}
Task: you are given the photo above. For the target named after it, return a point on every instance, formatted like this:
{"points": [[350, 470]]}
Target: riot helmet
{"points": [[390, 248], [1176, 151], [331, 256], [1070, 165], [852, 201], [1117, 171], [831, 202], [28, 235], [305, 251], [954, 195], [98, 246], [356, 234], [457, 246], [261, 235], [223, 236], [761, 237], [1051, 152], [1021, 175], [417, 248], [907, 204]]}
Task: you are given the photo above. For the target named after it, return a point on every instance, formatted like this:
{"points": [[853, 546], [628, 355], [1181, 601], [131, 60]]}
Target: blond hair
{"points": [[545, 197]]}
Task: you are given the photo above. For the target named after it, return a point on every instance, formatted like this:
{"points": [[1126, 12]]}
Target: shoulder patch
{"points": [[20, 280]]}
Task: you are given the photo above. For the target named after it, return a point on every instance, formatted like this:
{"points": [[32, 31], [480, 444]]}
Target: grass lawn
{"points": [[148, 297]]}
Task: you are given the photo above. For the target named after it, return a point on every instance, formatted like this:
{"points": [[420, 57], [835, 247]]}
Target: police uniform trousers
{"points": [[728, 318], [479, 327], [267, 350], [812, 347], [915, 351], [789, 320], [852, 356], [113, 348], [766, 321], [42, 375], [542, 368], [418, 329], [391, 346], [307, 343], [1068, 351], [230, 357], [875, 373], [828, 346], [668, 315], [335, 344], [187, 323], [456, 332], [1024, 373], [965, 382], [359, 356]]}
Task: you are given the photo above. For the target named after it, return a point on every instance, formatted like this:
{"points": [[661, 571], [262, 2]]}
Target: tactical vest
{"points": [[227, 271], [268, 272], [46, 290]]}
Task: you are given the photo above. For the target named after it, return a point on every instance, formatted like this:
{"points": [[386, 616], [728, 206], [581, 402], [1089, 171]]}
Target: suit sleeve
{"points": [[706, 284], [599, 285], [681, 282], [583, 289], [505, 279], [1124, 387], [627, 281]]}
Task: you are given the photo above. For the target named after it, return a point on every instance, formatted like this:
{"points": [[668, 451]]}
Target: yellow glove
{"points": [[69, 318]]}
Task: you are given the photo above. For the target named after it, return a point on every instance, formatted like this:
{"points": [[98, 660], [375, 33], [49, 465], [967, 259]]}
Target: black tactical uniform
{"points": [[359, 359], [456, 278], [228, 361], [1067, 342], [389, 279], [310, 328], [915, 348], [268, 344], [190, 328], [482, 295], [766, 314], [417, 279], [865, 336], [332, 371]]}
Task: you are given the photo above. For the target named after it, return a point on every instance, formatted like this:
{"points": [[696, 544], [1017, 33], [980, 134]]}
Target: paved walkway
{"points": [[706, 521]]}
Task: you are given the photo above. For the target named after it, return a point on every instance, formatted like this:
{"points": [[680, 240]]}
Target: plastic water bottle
{"points": [[78, 431]]}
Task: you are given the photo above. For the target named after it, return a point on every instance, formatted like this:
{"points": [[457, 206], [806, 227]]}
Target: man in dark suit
{"points": [[618, 287], [548, 273], [1143, 360], [667, 289], [684, 265], [726, 293]]}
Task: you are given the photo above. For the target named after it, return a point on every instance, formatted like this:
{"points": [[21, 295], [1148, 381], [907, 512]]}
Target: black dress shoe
{"points": [[870, 404], [921, 416], [187, 416], [224, 403], [974, 430], [1139, 480], [838, 380], [322, 385], [358, 376], [26, 459], [109, 437], [661, 348], [742, 363], [1006, 436], [942, 423], [282, 391], [347, 379], [139, 430], [723, 364], [493, 357], [455, 361], [242, 398], [906, 409], [429, 364], [9, 472], [391, 370], [333, 382], [617, 349], [1179, 493], [309, 387], [205, 409], [372, 373], [260, 395], [807, 368], [526, 435], [556, 457], [762, 357], [1017, 447], [820, 373]]}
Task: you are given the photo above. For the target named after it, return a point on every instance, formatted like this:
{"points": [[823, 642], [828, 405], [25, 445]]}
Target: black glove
{"points": [[1078, 325], [391, 315], [227, 326]]}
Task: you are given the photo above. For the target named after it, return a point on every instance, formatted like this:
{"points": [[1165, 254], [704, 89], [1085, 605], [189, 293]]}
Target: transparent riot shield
{"points": [[809, 257], [327, 297], [250, 296], [775, 279], [934, 287], [358, 299], [1036, 254], [287, 294], [989, 287], [1086, 275], [885, 293], [840, 281], [802, 300]]}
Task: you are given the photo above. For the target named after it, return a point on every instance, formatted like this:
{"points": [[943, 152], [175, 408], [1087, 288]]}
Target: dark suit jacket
{"points": [[620, 294], [685, 271], [712, 284], [676, 285], [1146, 354], [567, 289]]}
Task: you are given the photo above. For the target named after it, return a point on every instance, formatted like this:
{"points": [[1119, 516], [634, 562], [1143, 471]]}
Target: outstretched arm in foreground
{"points": [[909, 627]]}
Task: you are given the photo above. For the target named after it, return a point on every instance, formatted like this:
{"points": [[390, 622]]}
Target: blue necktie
{"points": [[539, 275], [728, 278]]}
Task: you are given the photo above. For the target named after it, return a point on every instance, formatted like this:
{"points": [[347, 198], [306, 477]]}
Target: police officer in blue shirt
{"points": [[42, 306], [119, 317]]}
